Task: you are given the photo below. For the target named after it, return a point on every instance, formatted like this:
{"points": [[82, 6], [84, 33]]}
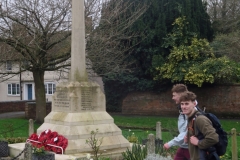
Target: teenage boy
{"points": [[197, 123], [182, 152]]}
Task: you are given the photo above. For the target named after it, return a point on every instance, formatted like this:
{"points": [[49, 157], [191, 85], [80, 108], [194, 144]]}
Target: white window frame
{"points": [[50, 88], [13, 89], [8, 66]]}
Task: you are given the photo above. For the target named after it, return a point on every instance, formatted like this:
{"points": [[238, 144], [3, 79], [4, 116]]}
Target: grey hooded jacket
{"points": [[182, 128]]}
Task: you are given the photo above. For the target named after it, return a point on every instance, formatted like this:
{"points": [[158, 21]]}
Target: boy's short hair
{"points": [[187, 96], [179, 88]]}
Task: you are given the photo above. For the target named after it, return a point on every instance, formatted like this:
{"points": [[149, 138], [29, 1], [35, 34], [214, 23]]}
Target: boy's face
{"points": [[188, 107], [176, 97]]}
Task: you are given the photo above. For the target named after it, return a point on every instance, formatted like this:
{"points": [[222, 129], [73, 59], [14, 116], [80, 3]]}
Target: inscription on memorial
{"points": [[62, 100], [86, 99]]}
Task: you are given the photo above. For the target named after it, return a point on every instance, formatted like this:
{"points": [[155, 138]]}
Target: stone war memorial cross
{"points": [[79, 106]]}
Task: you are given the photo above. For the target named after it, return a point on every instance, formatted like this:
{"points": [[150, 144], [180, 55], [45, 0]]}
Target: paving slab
{"points": [[20, 114]]}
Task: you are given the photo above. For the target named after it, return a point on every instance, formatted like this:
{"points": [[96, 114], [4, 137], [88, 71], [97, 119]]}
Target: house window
{"points": [[50, 88], [9, 66], [13, 89], [25, 64]]}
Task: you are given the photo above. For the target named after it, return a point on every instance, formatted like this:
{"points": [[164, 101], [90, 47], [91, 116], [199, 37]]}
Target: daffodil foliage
{"points": [[191, 60]]}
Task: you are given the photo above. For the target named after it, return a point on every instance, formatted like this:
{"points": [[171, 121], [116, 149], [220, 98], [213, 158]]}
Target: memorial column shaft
{"points": [[78, 64]]}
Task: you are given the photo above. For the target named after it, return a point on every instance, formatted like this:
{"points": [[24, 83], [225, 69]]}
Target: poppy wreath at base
{"points": [[49, 137]]}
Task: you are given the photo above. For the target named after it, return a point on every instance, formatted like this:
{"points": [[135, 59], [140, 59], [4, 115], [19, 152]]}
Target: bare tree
{"points": [[105, 50], [228, 45], [225, 14], [37, 34]]}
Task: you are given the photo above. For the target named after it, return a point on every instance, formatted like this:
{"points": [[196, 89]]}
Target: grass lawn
{"points": [[167, 123], [18, 127], [15, 127]]}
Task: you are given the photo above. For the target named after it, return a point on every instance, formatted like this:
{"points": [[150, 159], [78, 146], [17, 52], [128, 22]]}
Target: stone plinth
{"points": [[77, 109]]}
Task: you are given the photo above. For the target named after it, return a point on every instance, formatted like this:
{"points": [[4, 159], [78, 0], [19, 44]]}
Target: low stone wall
{"points": [[222, 100], [30, 109]]}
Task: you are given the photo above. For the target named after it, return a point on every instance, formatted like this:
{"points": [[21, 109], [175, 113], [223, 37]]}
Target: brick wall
{"points": [[224, 101], [30, 109], [12, 106]]}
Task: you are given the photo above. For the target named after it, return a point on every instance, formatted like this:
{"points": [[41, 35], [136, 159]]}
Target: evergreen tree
{"points": [[155, 25]]}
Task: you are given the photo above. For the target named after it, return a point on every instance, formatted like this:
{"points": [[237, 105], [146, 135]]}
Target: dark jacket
{"points": [[209, 137]]}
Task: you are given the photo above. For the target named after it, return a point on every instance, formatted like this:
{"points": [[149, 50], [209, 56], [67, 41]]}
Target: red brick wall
{"points": [[30, 109], [224, 101], [12, 106], [28, 106]]}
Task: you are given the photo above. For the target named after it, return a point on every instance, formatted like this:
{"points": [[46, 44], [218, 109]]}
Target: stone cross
{"points": [[78, 66]]}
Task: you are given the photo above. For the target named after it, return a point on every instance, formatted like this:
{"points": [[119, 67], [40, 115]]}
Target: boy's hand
{"points": [[185, 139], [166, 146], [194, 140]]}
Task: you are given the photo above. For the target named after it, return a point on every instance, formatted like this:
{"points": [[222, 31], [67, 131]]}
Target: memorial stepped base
{"points": [[77, 127], [15, 149]]}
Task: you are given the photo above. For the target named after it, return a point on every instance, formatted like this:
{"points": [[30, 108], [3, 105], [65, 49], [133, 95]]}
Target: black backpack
{"points": [[221, 146]]}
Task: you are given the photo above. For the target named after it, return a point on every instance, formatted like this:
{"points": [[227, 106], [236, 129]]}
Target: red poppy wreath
{"points": [[51, 141]]}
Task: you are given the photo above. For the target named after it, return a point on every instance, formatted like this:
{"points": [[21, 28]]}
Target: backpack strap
{"points": [[212, 154], [180, 111], [200, 110], [179, 108], [191, 125]]}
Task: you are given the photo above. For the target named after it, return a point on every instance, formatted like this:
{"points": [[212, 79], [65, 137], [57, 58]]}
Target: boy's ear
{"points": [[194, 102]]}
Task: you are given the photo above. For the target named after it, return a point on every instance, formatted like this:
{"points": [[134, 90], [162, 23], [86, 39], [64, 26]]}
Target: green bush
{"points": [[16, 140], [228, 155], [138, 152], [132, 138]]}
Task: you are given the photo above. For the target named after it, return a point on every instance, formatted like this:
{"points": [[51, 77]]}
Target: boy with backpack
{"points": [[198, 124]]}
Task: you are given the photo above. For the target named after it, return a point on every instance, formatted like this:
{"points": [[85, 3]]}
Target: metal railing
{"points": [[30, 140]]}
